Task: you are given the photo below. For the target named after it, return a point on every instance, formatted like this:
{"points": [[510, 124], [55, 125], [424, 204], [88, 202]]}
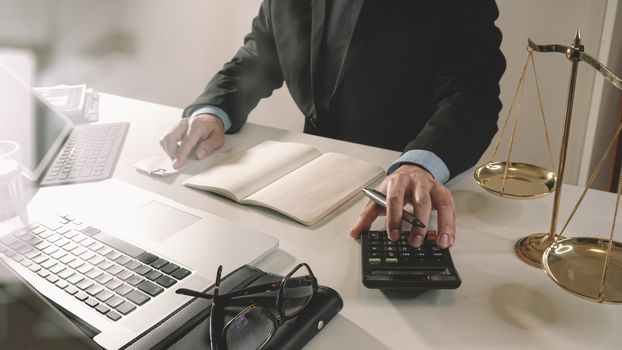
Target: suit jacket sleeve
{"points": [[252, 74], [466, 88]]}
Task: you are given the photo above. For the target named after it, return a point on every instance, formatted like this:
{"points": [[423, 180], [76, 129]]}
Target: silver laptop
{"points": [[53, 149], [112, 254]]}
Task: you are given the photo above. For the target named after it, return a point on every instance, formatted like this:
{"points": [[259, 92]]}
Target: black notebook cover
{"points": [[187, 328]]}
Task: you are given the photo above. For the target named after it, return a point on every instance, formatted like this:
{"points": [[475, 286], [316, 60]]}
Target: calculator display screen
{"points": [[36, 127]]}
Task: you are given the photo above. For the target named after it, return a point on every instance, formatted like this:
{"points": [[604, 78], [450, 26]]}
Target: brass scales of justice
{"points": [[590, 268]]}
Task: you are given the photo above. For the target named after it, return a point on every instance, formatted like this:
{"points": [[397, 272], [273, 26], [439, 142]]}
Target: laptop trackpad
{"points": [[156, 221]]}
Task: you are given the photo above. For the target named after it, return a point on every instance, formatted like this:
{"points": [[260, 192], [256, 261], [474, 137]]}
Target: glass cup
{"points": [[13, 196]]}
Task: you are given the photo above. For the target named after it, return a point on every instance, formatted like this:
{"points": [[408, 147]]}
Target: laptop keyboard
{"points": [[106, 273], [89, 154]]}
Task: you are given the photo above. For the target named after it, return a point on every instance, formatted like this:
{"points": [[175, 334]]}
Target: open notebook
{"points": [[294, 179]]}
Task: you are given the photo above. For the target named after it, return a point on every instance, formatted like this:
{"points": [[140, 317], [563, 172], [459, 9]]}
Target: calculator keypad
{"points": [[384, 252]]}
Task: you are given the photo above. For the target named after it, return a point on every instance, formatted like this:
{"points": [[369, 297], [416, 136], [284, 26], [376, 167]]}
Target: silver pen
{"points": [[381, 199]]}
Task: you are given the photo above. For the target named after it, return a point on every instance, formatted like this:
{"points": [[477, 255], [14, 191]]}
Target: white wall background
{"points": [[165, 51], [606, 104]]}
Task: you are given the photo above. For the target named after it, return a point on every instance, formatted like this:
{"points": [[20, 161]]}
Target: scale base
{"points": [[531, 248]]}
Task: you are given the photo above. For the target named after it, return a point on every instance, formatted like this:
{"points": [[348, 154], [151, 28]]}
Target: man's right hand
{"points": [[199, 136]]}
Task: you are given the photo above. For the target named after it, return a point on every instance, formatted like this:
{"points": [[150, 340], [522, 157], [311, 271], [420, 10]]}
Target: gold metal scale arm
{"points": [[601, 68]]}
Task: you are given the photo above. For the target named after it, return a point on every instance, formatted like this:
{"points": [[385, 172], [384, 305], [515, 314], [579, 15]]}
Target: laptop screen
{"points": [[34, 125]]}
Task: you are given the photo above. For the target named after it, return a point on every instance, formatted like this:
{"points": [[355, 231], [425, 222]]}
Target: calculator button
{"points": [[390, 260], [374, 261]]}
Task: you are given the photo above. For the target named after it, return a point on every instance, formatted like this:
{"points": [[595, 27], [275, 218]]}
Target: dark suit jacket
{"points": [[417, 75]]}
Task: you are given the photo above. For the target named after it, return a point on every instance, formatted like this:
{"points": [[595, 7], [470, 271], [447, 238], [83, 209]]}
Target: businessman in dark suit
{"points": [[421, 77]]}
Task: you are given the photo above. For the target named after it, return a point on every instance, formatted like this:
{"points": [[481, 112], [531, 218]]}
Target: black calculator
{"points": [[398, 265]]}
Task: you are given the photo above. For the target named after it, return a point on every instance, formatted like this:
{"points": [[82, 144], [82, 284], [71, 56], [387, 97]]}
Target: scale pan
{"points": [[523, 181], [576, 264]]}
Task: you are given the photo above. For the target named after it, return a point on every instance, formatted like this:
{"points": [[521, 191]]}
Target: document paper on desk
{"points": [[294, 179], [162, 165]]}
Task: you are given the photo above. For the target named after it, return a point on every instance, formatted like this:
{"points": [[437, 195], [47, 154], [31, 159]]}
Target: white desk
{"points": [[502, 304]]}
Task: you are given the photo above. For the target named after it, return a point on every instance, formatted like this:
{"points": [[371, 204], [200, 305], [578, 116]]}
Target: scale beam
{"points": [[582, 56]]}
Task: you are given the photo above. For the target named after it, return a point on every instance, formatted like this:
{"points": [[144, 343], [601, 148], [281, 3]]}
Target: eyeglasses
{"points": [[253, 327]]}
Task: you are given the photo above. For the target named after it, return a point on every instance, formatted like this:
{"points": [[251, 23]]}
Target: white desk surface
{"points": [[502, 303]]}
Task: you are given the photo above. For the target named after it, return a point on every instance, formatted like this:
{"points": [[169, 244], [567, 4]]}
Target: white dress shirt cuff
{"points": [[217, 111], [425, 159]]}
